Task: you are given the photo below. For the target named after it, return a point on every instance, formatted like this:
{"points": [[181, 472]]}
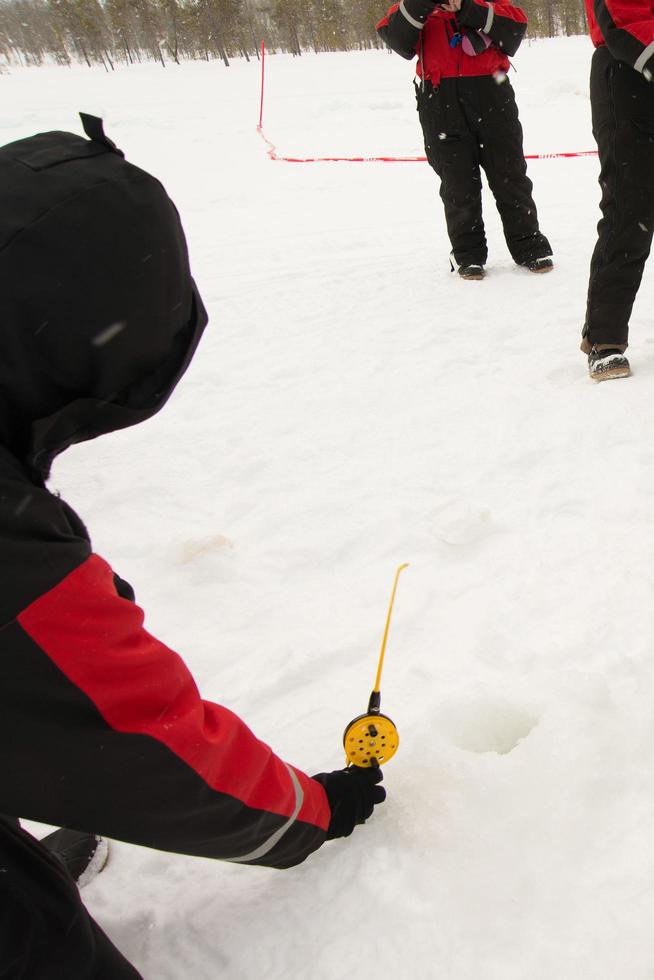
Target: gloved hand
{"points": [[352, 794]]}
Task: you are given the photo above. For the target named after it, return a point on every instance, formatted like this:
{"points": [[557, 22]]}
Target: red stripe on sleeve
{"points": [[140, 686]]}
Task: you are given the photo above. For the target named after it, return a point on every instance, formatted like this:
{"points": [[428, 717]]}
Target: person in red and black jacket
{"points": [[622, 102], [469, 119], [102, 727]]}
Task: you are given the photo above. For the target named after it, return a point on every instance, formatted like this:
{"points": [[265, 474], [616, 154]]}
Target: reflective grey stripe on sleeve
{"points": [[411, 20], [644, 58], [277, 836], [489, 20]]}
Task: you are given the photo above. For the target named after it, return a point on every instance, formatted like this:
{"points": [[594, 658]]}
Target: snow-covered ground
{"points": [[354, 406]]}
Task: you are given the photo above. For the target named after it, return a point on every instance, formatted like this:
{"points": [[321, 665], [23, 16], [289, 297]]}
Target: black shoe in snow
{"points": [[83, 855], [539, 265], [472, 270], [606, 364]]}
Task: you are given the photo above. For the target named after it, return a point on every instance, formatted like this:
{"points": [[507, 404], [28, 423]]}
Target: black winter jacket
{"points": [[101, 725]]}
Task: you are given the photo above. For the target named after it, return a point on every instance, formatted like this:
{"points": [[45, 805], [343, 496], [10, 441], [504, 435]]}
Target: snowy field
{"points": [[353, 406]]}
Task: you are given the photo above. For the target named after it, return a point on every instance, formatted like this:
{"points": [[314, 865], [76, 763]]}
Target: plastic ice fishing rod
{"points": [[372, 739]]}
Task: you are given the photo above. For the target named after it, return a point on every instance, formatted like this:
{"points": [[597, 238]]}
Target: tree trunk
{"points": [[83, 50]]}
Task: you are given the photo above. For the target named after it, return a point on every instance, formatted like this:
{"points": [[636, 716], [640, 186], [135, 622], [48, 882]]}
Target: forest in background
{"points": [[103, 32]]}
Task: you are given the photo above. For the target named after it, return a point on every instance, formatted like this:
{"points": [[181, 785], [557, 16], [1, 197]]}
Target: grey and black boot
{"points": [[607, 363]]}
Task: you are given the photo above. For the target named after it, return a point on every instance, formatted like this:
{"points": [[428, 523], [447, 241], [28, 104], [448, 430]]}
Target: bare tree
{"points": [[98, 31], [120, 17]]}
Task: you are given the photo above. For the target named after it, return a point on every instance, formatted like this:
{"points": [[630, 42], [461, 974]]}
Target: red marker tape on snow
{"points": [[272, 153], [272, 150], [263, 76]]}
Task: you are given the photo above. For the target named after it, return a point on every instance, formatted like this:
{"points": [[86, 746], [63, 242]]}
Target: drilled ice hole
{"points": [[485, 726]]}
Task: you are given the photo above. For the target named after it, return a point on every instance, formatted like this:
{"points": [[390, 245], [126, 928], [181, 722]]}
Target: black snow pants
{"points": [[468, 124], [45, 931], [623, 124]]}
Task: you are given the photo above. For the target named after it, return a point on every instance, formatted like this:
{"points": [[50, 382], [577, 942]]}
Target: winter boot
{"points": [[83, 855], [608, 363], [474, 272], [470, 271], [539, 265]]}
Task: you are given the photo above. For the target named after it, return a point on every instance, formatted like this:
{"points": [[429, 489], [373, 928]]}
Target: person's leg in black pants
{"points": [[493, 114], [45, 931], [452, 151], [623, 124]]}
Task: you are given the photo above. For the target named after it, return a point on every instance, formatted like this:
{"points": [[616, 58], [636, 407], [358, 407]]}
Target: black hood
{"points": [[99, 314]]}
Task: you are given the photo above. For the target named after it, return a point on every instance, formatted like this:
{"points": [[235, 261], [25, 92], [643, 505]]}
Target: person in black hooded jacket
{"points": [[101, 725]]}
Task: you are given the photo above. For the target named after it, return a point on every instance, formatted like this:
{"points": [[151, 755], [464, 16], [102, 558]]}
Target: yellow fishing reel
{"points": [[368, 738], [372, 739]]}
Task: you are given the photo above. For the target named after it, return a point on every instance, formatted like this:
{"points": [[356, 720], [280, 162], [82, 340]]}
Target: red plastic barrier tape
{"points": [[263, 78], [272, 151]]}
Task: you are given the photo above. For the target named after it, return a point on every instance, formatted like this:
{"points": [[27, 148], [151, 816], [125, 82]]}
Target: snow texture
{"points": [[354, 405]]}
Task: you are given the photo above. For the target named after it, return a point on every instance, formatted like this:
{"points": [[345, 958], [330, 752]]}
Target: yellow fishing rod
{"points": [[372, 739]]}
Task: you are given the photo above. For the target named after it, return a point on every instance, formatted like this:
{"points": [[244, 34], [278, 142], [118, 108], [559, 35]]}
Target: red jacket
{"points": [[102, 725], [414, 27], [627, 29]]}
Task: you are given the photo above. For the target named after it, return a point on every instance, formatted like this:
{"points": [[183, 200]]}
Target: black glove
{"points": [[352, 795]]}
